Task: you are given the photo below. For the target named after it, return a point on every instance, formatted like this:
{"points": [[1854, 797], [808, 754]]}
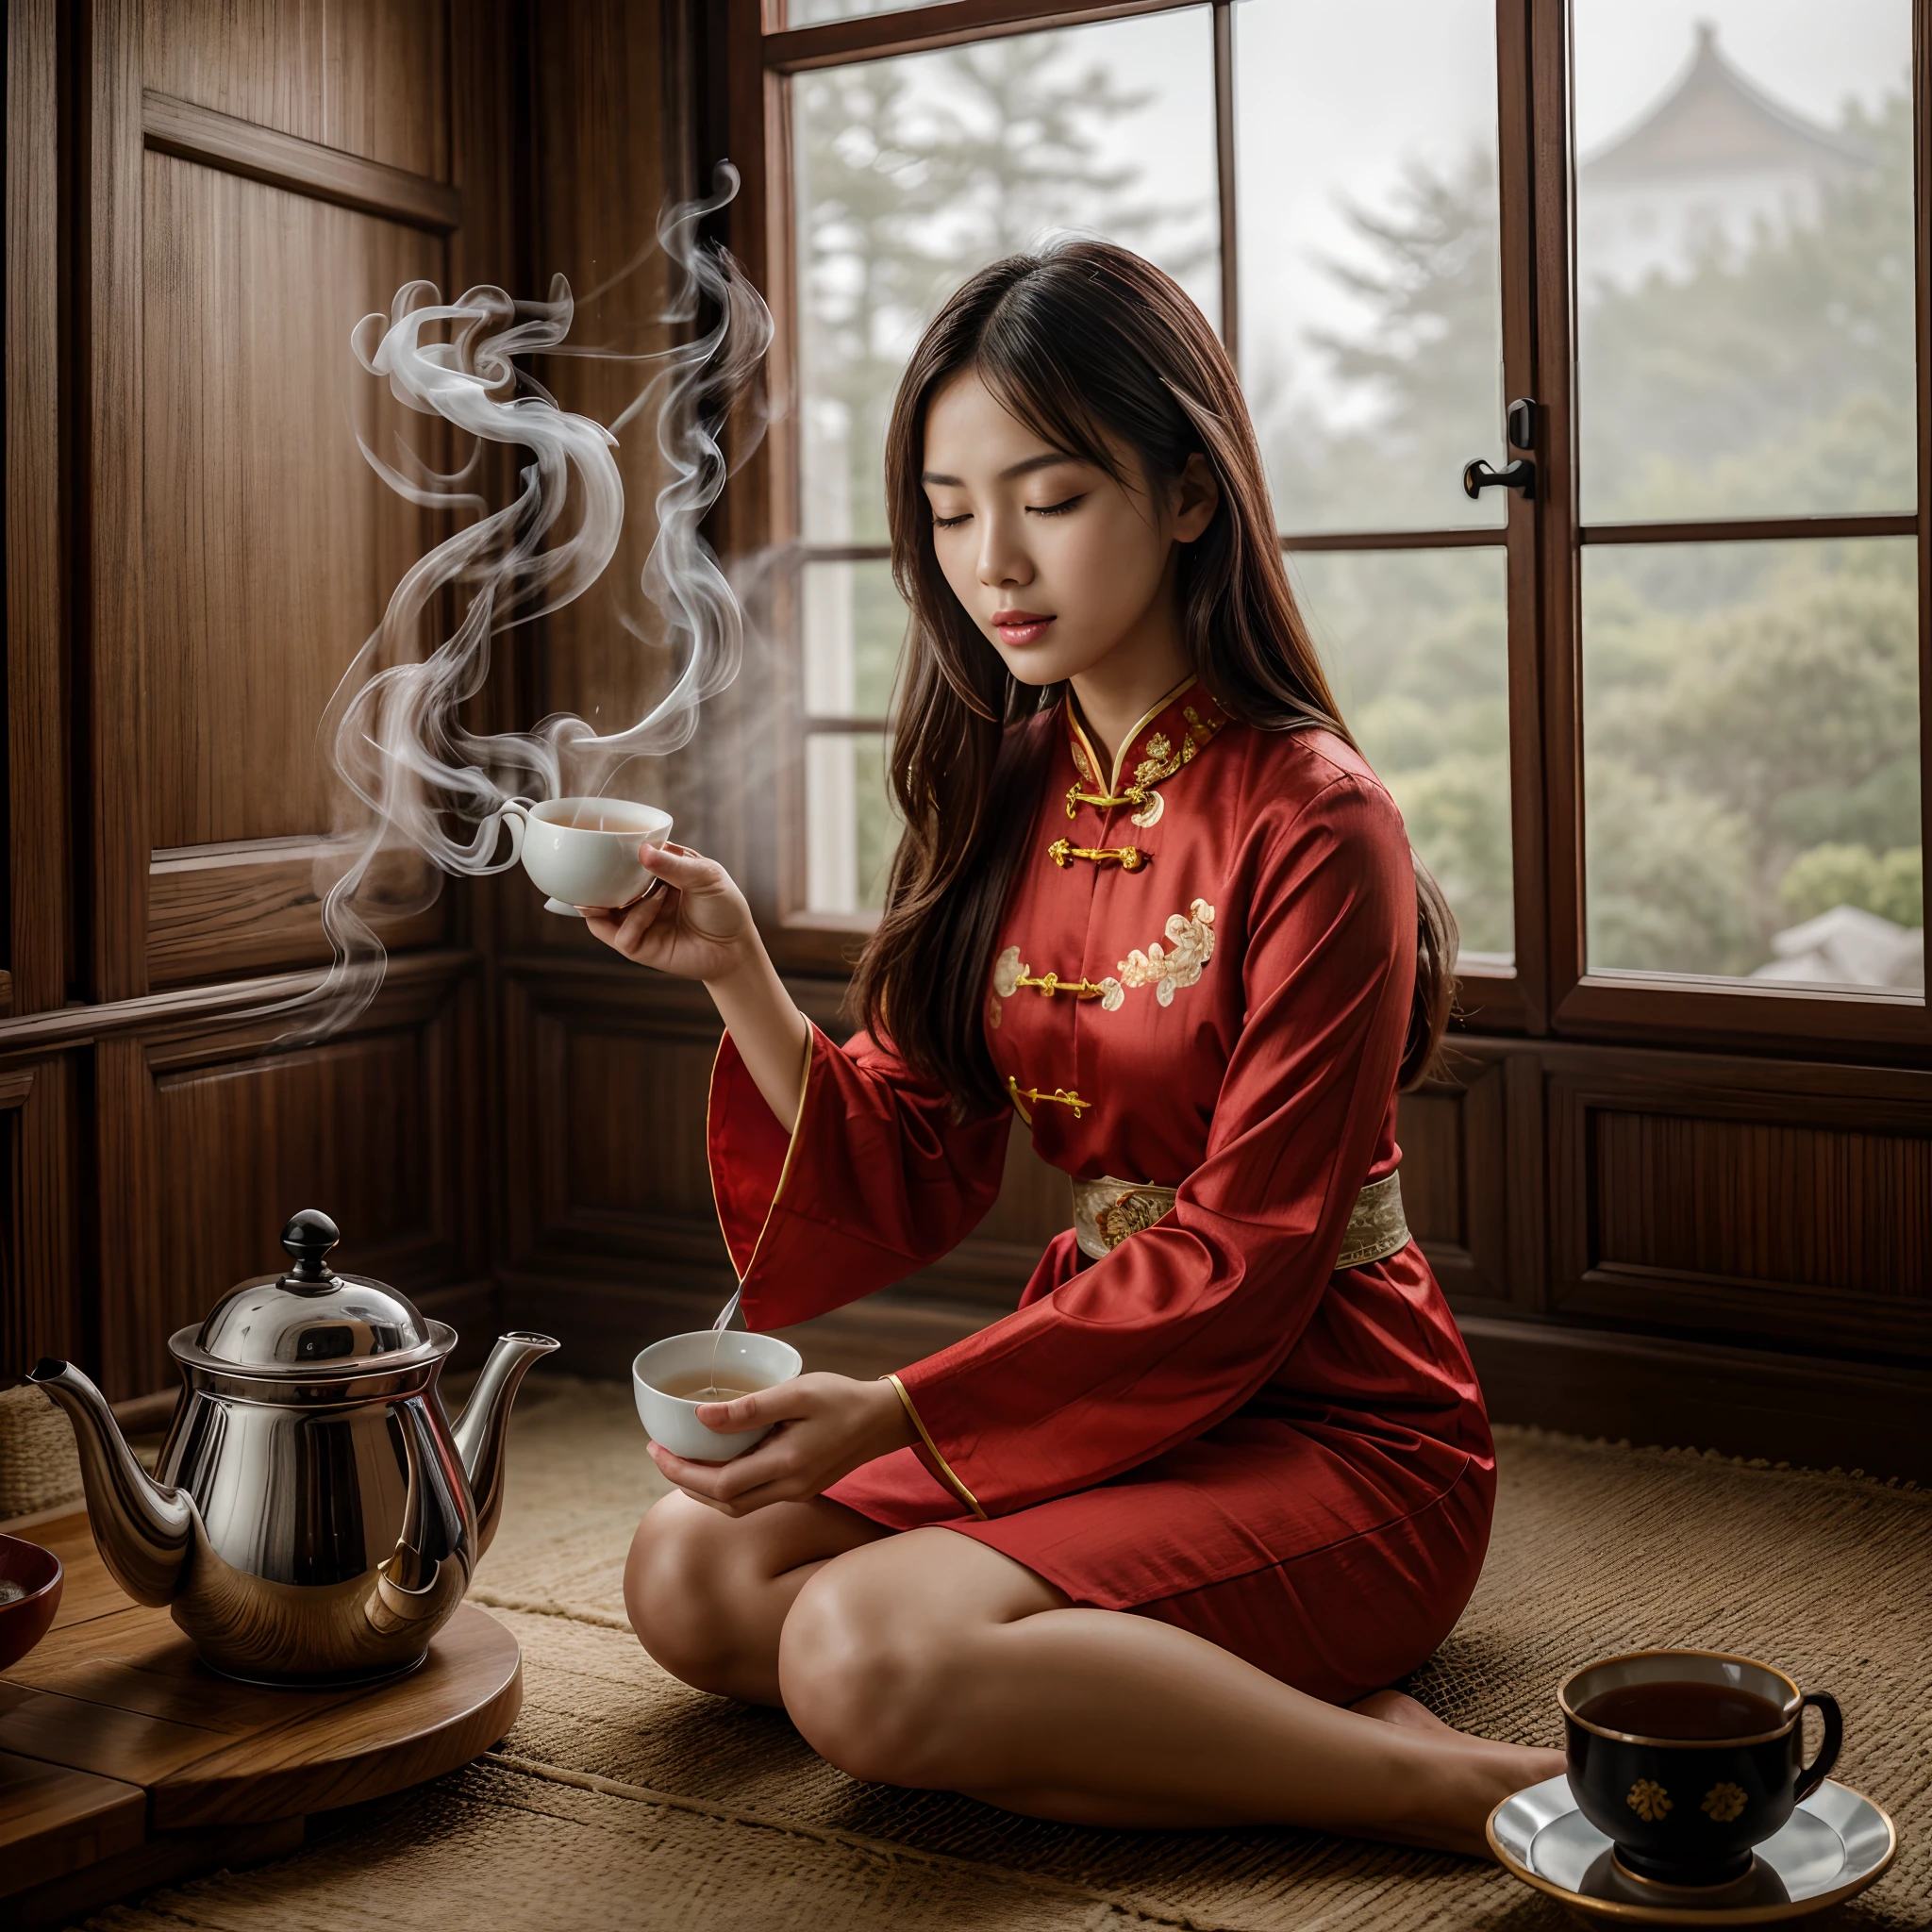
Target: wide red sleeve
{"points": [[1185, 1321], [873, 1180]]}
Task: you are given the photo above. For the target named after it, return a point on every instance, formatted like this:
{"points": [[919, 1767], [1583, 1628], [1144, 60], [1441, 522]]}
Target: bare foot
{"points": [[1473, 1775], [1398, 1708]]}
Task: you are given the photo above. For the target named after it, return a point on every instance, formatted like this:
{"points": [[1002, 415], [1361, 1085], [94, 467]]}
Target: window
{"points": [[1653, 723]]}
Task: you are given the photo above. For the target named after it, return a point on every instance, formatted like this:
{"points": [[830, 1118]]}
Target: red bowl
{"points": [[24, 1621]]}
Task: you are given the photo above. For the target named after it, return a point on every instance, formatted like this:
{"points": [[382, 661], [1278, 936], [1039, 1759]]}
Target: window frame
{"points": [[1548, 988]]}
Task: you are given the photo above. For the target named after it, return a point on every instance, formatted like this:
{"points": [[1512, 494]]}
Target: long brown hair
{"points": [[1095, 349]]}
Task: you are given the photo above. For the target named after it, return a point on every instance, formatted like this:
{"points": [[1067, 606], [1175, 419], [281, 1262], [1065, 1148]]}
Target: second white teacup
{"points": [[584, 851], [738, 1361]]}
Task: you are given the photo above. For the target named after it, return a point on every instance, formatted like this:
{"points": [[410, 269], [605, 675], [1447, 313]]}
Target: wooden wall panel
{"points": [[35, 839], [1787, 1202], [214, 1136], [1455, 1136], [271, 545], [369, 76], [40, 1305]]}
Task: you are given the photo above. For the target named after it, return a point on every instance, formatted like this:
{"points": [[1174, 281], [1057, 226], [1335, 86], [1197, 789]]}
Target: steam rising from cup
{"points": [[394, 726]]}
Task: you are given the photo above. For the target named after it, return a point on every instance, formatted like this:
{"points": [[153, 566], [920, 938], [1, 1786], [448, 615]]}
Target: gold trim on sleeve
{"points": [[784, 1172], [953, 1482]]}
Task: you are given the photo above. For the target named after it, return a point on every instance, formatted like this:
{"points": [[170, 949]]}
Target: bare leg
{"points": [[928, 1660], [707, 1593]]}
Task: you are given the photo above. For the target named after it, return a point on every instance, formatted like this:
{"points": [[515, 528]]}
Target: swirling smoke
{"points": [[394, 726]]}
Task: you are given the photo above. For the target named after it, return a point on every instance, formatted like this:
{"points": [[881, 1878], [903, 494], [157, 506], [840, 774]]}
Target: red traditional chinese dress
{"points": [[1233, 1396]]}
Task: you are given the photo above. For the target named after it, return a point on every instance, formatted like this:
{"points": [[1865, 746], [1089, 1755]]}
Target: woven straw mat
{"points": [[623, 1800], [38, 1463]]}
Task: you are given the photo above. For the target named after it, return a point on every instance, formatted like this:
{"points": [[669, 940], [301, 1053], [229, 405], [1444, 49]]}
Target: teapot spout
{"points": [[479, 1431], [142, 1531]]}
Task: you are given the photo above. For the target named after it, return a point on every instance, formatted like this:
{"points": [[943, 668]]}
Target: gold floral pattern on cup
{"points": [[1725, 1800], [1648, 1799]]}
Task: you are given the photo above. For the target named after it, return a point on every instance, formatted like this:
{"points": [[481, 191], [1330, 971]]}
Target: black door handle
{"points": [[1477, 476]]}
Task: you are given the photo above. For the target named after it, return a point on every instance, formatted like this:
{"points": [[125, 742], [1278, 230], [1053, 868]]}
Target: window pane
{"points": [[1750, 760], [915, 171], [853, 627], [850, 827], [1415, 644], [1745, 256], [1371, 324]]}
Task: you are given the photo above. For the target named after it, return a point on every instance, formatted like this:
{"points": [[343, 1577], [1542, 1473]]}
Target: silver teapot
{"points": [[316, 1518]]}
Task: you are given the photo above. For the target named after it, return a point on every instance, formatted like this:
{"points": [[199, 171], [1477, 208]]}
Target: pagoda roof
{"points": [[1715, 120]]}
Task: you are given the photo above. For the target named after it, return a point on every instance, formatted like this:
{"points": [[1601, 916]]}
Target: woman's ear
{"points": [[1196, 498]]}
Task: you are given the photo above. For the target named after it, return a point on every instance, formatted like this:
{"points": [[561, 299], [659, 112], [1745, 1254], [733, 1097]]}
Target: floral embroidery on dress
{"points": [[1190, 946]]}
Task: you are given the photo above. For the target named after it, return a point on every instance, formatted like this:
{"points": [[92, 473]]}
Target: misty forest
{"points": [[1751, 737]]}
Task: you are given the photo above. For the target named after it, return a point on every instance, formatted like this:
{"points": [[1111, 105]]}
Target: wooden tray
{"points": [[124, 1763]]}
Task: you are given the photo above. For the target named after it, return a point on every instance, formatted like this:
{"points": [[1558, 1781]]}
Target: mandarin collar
{"points": [[1172, 733]]}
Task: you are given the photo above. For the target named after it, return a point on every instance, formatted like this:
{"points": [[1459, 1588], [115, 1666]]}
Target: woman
{"points": [[1149, 1550]]}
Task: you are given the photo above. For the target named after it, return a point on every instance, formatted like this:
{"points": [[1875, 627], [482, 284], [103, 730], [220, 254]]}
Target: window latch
{"points": [[1519, 474]]}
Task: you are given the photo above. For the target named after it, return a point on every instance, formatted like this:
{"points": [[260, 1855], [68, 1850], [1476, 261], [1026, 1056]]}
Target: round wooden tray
{"points": [[115, 1692]]}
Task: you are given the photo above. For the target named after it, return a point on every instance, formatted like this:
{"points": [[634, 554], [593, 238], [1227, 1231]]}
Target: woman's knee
{"points": [[870, 1690], [677, 1590]]}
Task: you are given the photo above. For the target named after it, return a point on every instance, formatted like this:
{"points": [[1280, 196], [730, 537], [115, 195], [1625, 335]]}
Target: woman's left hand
{"points": [[825, 1426]]}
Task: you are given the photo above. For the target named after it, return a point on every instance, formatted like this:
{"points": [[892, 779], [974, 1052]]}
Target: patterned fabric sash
{"points": [[1106, 1211]]}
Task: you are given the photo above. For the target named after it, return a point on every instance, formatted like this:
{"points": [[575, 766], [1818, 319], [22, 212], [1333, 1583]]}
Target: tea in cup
{"points": [[1685, 1759], [672, 1377], [584, 851]]}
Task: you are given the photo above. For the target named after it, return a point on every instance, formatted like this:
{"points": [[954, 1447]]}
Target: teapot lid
{"points": [[311, 1317]]}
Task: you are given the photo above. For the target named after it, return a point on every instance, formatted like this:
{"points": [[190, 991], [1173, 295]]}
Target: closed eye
{"points": [[1057, 509], [940, 523]]}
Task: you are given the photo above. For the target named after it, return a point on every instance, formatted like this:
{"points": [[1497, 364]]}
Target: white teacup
{"points": [[673, 1420], [584, 851]]}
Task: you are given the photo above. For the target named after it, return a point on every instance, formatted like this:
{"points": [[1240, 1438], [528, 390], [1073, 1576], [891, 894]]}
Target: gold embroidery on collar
{"points": [[1191, 936], [1160, 758], [1061, 1096]]}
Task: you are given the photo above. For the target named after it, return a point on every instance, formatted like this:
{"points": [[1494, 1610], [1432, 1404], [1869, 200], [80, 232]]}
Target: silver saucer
{"points": [[1834, 1844]]}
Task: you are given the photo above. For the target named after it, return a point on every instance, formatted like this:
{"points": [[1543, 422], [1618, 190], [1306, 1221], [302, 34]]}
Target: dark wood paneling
{"points": [[41, 1310], [368, 76], [112, 363], [213, 1138], [216, 910], [1455, 1140], [1783, 1202], [179, 128], [1680, 1393], [34, 866], [271, 545]]}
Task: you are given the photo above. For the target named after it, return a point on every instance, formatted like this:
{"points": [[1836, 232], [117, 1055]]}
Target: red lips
{"points": [[1021, 627]]}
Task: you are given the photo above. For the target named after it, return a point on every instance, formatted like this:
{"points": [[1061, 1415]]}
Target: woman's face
{"points": [[1058, 565]]}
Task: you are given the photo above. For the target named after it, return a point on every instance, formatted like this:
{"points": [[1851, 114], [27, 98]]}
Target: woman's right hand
{"points": [[694, 925]]}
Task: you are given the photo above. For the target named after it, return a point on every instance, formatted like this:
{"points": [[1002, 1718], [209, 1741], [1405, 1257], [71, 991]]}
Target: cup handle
{"points": [[1818, 1769], [510, 814]]}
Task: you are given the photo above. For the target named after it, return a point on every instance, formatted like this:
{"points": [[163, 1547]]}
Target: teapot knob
{"points": [[308, 1237]]}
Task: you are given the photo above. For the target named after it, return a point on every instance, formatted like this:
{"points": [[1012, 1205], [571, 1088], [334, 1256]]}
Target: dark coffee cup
{"points": [[1684, 1760]]}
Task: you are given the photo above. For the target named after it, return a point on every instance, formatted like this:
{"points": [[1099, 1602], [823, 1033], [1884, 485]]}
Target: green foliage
{"points": [[1890, 884]]}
